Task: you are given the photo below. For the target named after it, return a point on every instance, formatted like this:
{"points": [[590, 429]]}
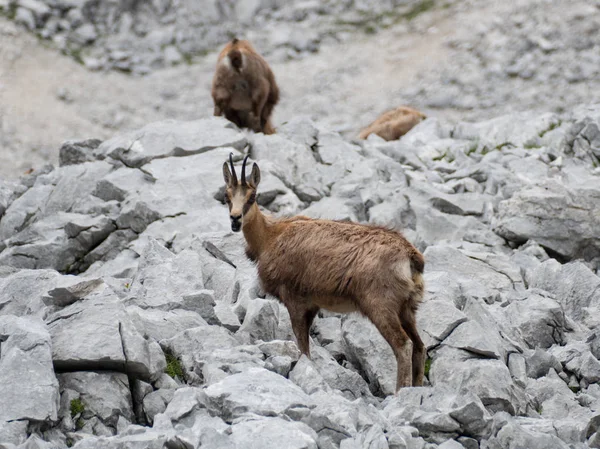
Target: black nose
{"points": [[236, 223]]}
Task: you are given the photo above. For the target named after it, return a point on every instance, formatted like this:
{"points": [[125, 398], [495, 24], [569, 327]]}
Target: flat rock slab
{"points": [[273, 432], [28, 386], [172, 138], [565, 220], [255, 391], [99, 335]]}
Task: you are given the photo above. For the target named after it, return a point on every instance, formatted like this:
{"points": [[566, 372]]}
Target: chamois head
{"points": [[240, 195]]}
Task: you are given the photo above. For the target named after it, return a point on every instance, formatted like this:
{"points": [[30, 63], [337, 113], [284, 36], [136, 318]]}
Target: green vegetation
{"points": [[427, 366], [79, 424], [76, 407], [10, 11], [370, 25], [550, 128], [574, 389], [173, 368], [419, 8]]}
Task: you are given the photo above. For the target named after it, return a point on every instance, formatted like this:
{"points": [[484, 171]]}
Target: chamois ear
{"points": [[254, 176], [226, 174]]}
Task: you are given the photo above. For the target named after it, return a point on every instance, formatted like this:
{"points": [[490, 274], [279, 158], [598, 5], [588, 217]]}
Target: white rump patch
{"points": [[226, 62], [403, 270]]}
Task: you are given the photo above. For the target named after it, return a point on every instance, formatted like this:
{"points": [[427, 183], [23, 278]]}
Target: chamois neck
{"points": [[255, 228]]}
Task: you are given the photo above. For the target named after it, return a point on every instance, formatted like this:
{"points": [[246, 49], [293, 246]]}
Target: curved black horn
{"points": [[233, 175], [244, 170]]}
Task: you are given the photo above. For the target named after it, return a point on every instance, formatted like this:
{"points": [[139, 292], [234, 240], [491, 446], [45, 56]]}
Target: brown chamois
{"points": [[244, 88], [393, 124], [339, 266]]}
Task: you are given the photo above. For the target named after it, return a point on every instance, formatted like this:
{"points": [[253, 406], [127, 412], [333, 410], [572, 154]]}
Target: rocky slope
{"points": [[130, 318], [457, 60]]}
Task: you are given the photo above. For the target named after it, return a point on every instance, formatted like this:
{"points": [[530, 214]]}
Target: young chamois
{"points": [[339, 266], [244, 87], [393, 124]]}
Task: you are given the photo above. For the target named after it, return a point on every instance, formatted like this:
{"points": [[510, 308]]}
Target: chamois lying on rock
{"points": [[244, 88], [339, 266], [393, 124]]}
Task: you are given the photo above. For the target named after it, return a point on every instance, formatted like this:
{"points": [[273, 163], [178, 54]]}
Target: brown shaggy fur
{"points": [[339, 266], [393, 124], [244, 87]]}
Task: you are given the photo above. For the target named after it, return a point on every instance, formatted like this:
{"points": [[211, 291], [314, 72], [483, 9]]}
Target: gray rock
{"points": [[156, 402], [164, 279], [76, 152], [369, 350], [539, 362], [537, 320], [171, 138], [105, 396], [557, 217], [257, 390], [471, 337], [438, 319], [98, 334], [160, 324], [512, 436], [573, 285], [27, 382], [261, 320], [23, 292], [277, 432]]}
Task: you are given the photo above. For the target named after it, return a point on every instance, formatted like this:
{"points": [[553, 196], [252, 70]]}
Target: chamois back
{"points": [[394, 124], [244, 88]]}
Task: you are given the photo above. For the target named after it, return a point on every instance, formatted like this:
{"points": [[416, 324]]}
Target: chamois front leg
{"points": [[301, 316]]}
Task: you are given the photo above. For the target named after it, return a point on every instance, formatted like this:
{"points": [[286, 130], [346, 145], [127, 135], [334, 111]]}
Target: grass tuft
{"points": [[76, 407], [427, 366], [173, 368]]}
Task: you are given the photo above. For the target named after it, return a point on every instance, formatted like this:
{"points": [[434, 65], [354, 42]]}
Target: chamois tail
{"points": [[235, 56]]}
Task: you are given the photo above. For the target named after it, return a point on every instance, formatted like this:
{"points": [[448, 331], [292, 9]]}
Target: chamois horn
{"points": [[244, 170], [233, 174]]}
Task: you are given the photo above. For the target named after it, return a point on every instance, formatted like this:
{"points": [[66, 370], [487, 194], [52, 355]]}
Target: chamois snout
{"points": [[236, 223]]}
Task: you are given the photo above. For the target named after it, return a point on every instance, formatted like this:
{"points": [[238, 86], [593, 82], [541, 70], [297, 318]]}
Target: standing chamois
{"points": [[339, 266], [393, 124], [244, 87]]}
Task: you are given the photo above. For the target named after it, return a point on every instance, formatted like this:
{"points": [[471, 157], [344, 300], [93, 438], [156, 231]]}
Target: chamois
{"points": [[244, 87], [393, 124], [344, 267]]}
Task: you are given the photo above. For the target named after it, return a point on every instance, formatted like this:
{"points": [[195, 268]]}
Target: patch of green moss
{"points": [[79, 424], [173, 368], [427, 366], [419, 8], [550, 128], [531, 146], [574, 389], [9, 12], [77, 407], [503, 145], [440, 157]]}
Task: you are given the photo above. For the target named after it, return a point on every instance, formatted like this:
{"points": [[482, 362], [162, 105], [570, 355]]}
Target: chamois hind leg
{"points": [[387, 321], [302, 316], [409, 324], [259, 99]]}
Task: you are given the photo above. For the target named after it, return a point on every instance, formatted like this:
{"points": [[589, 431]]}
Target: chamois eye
{"points": [[252, 198]]}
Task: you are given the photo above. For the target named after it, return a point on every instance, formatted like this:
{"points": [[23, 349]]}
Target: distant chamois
{"points": [[339, 266], [244, 88], [393, 124]]}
